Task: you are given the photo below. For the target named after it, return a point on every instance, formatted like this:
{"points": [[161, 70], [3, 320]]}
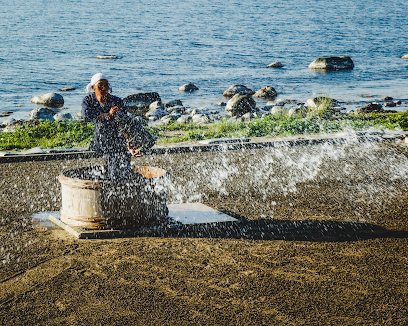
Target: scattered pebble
{"points": [[66, 89]]}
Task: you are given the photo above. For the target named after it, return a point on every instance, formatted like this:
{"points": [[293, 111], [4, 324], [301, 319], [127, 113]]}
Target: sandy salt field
{"points": [[322, 240]]}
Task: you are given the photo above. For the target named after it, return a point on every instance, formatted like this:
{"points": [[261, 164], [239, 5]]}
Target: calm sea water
{"points": [[48, 45]]}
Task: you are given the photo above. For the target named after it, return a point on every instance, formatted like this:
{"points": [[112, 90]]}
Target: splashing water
{"points": [[349, 181]]}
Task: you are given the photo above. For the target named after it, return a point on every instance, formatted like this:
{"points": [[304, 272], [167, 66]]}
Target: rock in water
{"points": [[332, 63], [240, 104], [275, 64], [267, 92], [188, 88], [238, 89], [106, 57], [52, 100], [42, 114], [405, 57]]}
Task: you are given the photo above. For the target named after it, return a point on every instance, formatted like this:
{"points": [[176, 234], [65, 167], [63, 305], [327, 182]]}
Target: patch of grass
{"points": [[47, 134]]}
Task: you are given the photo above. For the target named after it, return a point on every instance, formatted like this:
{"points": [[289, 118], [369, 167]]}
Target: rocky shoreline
{"points": [[241, 103]]}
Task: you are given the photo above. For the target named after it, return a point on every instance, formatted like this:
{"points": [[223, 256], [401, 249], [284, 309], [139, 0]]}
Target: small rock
{"points": [[278, 110], [188, 88], [8, 121], [390, 104], [62, 116], [237, 89], [6, 114], [216, 116], [52, 100], [332, 63], [66, 89], [275, 64], [300, 110], [156, 105], [167, 119], [173, 103], [405, 57], [370, 108], [176, 109], [201, 119], [197, 111], [316, 101], [240, 104], [267, 92], [221, 104], [108, 57], [42, 114], [170, 117], [184, 119], [387, 98], [156, 113], [79, 114], [398, 102]]}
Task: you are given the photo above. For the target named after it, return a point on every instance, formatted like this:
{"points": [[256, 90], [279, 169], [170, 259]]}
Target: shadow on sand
{"points": [[268, 229]]}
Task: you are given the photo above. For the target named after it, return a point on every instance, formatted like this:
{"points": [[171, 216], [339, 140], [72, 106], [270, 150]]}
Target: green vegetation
{"points": [[320, 120], [47, 134]]}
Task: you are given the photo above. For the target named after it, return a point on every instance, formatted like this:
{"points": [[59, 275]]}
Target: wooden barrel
{"points": [[91, 201]]}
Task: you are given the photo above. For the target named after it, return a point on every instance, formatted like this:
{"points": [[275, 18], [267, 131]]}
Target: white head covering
{"points": [[95, 78]]}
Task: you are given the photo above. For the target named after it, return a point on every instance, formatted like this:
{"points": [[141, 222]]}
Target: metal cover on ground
{"points": [[197, 213], [179, 214]]}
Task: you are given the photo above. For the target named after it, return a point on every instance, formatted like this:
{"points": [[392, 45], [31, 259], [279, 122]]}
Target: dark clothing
{"points": [[108, 140], [107, 137]]}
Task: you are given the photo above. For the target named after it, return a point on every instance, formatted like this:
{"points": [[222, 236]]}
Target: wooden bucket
{"points": [[92, 202]]}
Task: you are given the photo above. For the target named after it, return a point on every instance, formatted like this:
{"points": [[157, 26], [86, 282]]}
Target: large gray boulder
{"points": [[240, 104], [52, 100], [266, 93], [139, 103], [42, 114], [238, 89], [332, 63]]}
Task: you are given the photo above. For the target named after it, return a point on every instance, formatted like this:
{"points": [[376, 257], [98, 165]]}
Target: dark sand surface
{"points": [[322, 240]]}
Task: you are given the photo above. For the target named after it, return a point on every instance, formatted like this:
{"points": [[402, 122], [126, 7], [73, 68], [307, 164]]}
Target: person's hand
{"points": [[134, 152], [113, 110]]}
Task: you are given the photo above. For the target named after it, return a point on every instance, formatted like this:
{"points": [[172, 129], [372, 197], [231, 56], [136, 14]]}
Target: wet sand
{"points": [[319, 244]]}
